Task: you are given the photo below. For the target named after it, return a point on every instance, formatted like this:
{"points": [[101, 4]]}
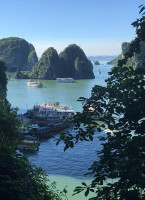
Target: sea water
{"points": [[66, 168], [23, 97]]}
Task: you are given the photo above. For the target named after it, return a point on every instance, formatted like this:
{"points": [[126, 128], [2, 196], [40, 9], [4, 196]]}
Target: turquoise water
{"points": [[66, 168], [70, 183], [19, 95]]}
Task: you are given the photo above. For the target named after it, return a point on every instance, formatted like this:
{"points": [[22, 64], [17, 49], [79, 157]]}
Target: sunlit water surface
{"points": [[66, 168]]}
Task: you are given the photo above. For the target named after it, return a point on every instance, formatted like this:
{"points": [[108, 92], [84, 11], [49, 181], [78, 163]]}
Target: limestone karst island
{"points": [[20, 57], [72, 100]]}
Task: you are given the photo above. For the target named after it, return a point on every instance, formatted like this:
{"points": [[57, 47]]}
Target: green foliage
{"points": [[17, 53], [135, 45], [72, 62], [137, 59], [19, 180], [75, 63], [30, 56], [81, 68], [48, 66], [133, 53], [133, 61], [3, 80], [120, 107], [20, 75], [9, 123], [115, 61]]}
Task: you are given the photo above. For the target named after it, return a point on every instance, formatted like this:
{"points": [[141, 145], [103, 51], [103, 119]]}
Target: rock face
{"points": [[75, 63], [48, 66], [96, 63], [18, 54], [125, 48], [136, 61], [71, 63]]}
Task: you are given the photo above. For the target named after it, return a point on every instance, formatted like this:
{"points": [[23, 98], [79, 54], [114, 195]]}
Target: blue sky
{"points": [[97, 26]]}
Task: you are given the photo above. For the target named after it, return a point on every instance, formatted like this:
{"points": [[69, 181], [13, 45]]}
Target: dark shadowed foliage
{"points": [[119, 107]]}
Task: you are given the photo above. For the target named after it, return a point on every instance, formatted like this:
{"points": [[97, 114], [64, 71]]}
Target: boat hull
{"points": [[65, 80], [34, 84]]}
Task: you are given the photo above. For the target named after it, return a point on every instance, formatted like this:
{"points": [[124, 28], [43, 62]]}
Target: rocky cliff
{"points": [[96, 63], [71, 63], [75, 63], [136, 61], [48, 66], [18, 54]]}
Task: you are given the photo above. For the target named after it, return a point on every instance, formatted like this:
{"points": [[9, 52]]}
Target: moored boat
{"points": [[34, 84], [56, 111], [29, 143], [99, 72], [48, 119], [65, 80]]}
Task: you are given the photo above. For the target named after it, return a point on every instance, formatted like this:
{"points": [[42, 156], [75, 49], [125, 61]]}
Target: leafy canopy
{"points": [[119, 107], [19, 180]]}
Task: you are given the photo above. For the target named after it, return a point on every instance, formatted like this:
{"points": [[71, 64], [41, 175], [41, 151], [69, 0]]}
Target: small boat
{"points": [[34, 84], [65, 80], [29, 143], [99, 72]]}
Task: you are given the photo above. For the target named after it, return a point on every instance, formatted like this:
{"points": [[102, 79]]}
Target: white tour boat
{"points": [[34, 84], [65, 80]]}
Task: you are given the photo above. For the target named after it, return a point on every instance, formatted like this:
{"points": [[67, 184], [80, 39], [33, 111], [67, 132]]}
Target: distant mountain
{"points": [[101, 58], [18, 54]]}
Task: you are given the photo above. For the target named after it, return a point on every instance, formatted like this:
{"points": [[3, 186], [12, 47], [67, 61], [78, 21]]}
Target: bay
{"points": [[23, 97], [66, 168]]}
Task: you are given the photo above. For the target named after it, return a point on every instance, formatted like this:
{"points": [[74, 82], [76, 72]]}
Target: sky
{"points": [[97, 26]]}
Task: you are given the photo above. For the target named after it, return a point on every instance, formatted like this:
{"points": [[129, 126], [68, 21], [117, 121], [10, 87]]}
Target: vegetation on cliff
{"points": [[115, 60], [48, 67], [137, 59], [19, 179], [75, 63], [18, 54], [3, 80], [72, 62], [119, 170]]}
